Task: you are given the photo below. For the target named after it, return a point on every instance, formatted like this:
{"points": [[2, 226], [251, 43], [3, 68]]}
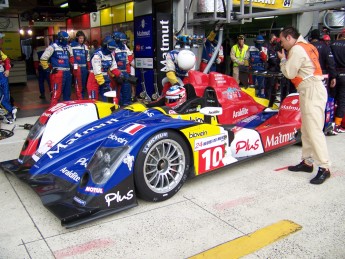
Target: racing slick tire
{"points": [[162, 166]]}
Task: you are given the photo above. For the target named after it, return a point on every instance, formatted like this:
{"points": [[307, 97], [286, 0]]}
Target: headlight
{"points": [[104, 163]]}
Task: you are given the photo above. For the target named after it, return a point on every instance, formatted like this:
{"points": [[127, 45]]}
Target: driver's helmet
{"points": [[175, 96], [186, 60]]}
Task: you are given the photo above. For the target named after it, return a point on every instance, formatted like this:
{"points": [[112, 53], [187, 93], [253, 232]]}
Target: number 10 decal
{"points": [[210, 159]]}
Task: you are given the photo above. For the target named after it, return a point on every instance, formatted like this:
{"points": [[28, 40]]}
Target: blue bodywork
{"points": [[70, 190]]}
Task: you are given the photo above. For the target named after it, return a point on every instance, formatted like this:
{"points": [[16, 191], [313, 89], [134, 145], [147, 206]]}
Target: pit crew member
{"points": [[59, 54]]}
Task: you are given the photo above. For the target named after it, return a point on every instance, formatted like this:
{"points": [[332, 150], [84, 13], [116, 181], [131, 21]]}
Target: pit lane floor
{"points": [[208, 211]]}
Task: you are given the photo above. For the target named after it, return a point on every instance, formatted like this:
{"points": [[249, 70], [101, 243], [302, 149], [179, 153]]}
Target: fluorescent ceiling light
{"points": [[265, 17], [64, 5]]}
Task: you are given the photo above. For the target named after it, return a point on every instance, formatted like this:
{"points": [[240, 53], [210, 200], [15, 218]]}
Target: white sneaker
{"points": [[14, 113], [7, 120]]}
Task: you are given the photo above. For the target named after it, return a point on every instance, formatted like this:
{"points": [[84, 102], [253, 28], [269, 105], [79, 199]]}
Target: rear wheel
{"points": [[162, 166]]}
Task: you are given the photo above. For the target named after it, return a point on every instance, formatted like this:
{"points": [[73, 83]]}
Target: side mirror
{"points": [[211, 111]]}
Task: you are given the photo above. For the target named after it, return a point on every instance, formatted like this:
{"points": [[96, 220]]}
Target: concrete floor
{"points": [[206, 212]]}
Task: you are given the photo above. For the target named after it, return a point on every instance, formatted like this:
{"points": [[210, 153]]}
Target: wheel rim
{"points": [[164, 166]]}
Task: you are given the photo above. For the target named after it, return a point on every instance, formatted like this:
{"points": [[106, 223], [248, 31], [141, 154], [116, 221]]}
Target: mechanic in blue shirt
{"points": [[58, 54], [124, 88], [258, 61], [42, 74], [81, 64], [208, 49], [102, 62]]}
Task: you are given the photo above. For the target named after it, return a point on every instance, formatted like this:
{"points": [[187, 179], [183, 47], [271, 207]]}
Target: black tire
{"points": [[162, 166]]}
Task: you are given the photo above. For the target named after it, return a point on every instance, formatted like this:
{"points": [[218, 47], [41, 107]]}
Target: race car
{"points": [[102, 167], [59, 120]]}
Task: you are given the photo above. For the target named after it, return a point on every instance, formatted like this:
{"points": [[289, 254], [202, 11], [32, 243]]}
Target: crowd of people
{"points": [[107, 67], [92, 72], [262, 62]]}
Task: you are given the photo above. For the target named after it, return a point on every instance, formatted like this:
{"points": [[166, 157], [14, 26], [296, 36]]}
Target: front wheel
{"points": [[162, 166]]}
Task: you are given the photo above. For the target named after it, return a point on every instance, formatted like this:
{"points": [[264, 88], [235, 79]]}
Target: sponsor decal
{"points": [[294, 101], [117, 197], [211, 158], [289, 107], [93, 189], [250, 119], [197, 119], [132, 129], [241, 112], [77, 136], [172, 112], [149, 114], [247, 142], [214, 112], [279, 138], [164, 41], [71, 174], [219, 78], [82, 161], [118, 139], [204, 143], [79, 201], [46, 114], [154, 139], [57, 107], [128, 160], [231, 93], [247, 145], [49, 143], [197, 134]]}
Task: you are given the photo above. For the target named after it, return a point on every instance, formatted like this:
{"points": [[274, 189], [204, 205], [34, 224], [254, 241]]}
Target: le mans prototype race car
{"points": [[105, 162]]}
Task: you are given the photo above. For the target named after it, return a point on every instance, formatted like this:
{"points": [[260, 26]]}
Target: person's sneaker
{"points": [[301, 167], [331, 133], [321, 176], [8, 119], [339, 129], [14, 113]]}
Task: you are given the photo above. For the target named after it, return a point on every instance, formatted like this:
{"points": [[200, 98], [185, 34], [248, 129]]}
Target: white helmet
{"points": [[186, 59]]}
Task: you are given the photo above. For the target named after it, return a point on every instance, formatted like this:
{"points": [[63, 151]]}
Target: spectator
{"points": [[272, 67], [338, 50], [326, 58], [258, 62], [327, 65], [42, 74], [5, 102], [303, 68], [239, 56], [326, 39], [81, 64], [58, 54]]}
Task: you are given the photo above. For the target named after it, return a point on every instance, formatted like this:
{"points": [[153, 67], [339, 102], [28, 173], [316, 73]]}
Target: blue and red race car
{"points": [[148, 151]]}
